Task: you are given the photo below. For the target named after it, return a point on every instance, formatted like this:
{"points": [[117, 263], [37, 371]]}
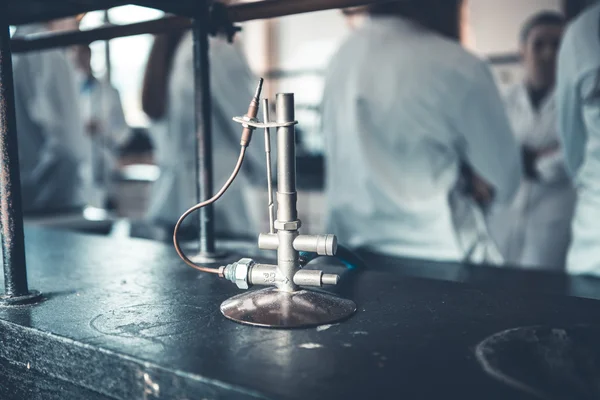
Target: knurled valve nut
{"points": [[242, 270], [287, 226]]}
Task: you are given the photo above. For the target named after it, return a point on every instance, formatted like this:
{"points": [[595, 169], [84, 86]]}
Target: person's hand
{"points": [[92, 127], [476, 187], [548, 150], [483, 193]]}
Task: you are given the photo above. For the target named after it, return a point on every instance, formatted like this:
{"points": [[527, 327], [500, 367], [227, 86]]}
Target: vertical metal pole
{"points": [[11, 213], [203, 114], [106, 120], [107, 50], [270, 205], [287, 257]]}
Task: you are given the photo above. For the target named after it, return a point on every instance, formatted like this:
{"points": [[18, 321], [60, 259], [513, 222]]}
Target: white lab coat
{"points": [[402, 108], [232, 86], [101, 102], [52, 145], [579, 127], [534, 230]]}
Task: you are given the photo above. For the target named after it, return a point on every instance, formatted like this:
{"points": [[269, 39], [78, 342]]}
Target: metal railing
{"points": [[11, 218]]}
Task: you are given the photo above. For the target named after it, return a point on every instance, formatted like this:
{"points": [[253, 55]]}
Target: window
{"points": [[128, 56]]}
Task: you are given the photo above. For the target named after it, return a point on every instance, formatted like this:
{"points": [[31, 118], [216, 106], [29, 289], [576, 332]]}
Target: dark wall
{"points": [[442, 16], [572, 8]]}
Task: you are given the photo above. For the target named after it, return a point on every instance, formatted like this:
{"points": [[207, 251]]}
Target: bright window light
{"points": [[128, 56]]}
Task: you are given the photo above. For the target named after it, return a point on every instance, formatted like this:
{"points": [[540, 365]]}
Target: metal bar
{"points": [[247, 11], [107, 51], [64, 39], [236, 12], [11, 214], [106, 117], [241, 12], [270, 205], [56, 9], [203, 114]]}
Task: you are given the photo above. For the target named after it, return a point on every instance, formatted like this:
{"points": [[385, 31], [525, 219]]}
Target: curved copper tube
{"points": [[216, 197]]}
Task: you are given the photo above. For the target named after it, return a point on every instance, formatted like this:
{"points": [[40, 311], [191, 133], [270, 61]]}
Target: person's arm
{"points": [[571, 128], [155, 87], [488, 144]]}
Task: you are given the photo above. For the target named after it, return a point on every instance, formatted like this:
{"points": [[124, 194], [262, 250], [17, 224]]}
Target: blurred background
{"points": [[291, 53]]}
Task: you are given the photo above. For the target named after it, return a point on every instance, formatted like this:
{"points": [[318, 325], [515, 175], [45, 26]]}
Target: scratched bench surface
{"points": [[128, 320]]}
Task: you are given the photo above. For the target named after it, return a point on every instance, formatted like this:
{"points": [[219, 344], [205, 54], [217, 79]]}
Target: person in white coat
{"points": [[52, 145], [232, 86], [155, 87], [104, 122], [534, 231], [578, 105], [404, 109]]}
